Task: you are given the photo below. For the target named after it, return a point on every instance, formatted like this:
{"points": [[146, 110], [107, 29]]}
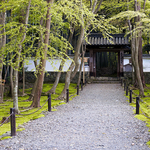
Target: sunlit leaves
{"points": [[63, 14]]}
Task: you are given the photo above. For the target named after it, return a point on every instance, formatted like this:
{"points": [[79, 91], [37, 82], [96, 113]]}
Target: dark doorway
{"points": [[106, 64]]}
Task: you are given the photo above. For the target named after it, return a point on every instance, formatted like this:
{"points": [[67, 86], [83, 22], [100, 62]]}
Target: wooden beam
{"points": [[94, 62], [91, 61], [107, 49], [121, 62]]}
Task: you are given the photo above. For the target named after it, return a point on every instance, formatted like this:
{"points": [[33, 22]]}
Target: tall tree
{"points": [[53, 89], [84, 26], [36, 100], [23, 31], [138, 52], [2, 44]]}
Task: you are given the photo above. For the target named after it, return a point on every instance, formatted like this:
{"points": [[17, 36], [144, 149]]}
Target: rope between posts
{"points": [[33, 112], [6, 120]]}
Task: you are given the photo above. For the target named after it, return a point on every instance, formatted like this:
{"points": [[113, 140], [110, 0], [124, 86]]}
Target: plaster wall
{"points": [[51, 65], [146, 63]]}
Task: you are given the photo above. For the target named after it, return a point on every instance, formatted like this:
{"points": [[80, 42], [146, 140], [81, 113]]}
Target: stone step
{"points": [[104, 79], [107, 82]]}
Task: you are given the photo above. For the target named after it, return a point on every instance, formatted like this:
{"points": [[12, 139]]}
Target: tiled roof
{"points": [[115, 39]]}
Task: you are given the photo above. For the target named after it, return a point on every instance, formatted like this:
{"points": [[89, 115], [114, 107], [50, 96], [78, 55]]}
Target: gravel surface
{"points": [[100, 118]]}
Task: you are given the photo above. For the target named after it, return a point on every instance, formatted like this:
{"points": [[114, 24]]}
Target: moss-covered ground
{"points": [[24, 106], [144, 106]]}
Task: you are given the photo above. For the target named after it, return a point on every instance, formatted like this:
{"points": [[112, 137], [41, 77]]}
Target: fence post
{"points": [[137, 105], [130, 96], [67, 95], [13, 122], [77, 89], [49, 102], [126, 90]]}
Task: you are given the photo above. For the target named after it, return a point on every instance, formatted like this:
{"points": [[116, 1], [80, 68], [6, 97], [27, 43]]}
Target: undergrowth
{"points": [[144, 113], [24, 107]]}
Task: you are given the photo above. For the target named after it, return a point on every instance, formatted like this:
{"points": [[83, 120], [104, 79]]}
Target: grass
{"points": [[24, 104], [144, 105]]}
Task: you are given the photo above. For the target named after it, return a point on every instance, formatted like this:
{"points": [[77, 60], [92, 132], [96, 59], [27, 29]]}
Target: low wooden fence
{"points": [[12, 115], [129, 92]]}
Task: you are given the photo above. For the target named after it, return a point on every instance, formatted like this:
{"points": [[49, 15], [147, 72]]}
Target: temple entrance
{"points": [[106, 56], [106, 64]]}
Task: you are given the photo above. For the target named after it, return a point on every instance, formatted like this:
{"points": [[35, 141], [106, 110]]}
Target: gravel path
{"points": [[100, 118]]}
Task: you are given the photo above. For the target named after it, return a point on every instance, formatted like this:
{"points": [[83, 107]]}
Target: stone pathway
{"points": [[100, 118]]}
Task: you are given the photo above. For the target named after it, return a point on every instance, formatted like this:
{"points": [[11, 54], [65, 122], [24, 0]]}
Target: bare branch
{"points": [[135, 3], [94, 5], [144, 4], [99, 5], [90, 3]]}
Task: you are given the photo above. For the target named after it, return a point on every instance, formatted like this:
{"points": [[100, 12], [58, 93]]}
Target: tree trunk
{"points": [[1, 60], [140, 53], [15, 89], [11, 81], [53, 89], [11, 93], [80, 71], [144, 4], [138, 50], [36, 100], [67, 83], [2, 45], [137, 70], [34, 86], [36, 65], [75, 70], [33, 90], [68, 75], [140, 59], [23, 73]]}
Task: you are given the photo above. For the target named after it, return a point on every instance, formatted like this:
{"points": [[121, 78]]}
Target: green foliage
{"points": [[15, 29], [24, 106], [63, 12]]}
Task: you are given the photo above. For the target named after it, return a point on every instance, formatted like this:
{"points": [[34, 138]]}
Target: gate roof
{"points": [[114, 39]]}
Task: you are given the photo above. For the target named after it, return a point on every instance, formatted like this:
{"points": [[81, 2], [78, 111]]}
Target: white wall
{"points": [[146, 63], [51, 65]]}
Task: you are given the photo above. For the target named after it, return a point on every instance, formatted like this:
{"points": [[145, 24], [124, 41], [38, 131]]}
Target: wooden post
{"points": [[118, 65], [67, 95], [130, 96], [49, 102], [13, 122], [137, 105], [94, 62], [77, 89], [121, 63], [127, 90]]}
